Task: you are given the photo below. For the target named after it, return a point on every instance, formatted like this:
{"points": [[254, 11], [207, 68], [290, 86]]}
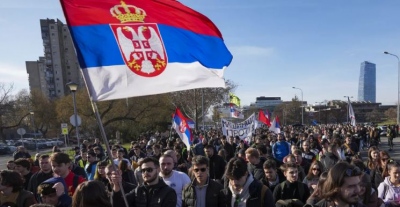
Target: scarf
{"points": [[241, 197]]}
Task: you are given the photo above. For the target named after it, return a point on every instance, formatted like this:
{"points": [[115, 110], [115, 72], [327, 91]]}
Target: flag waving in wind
{"points": [[142, 47], [263, 118], [233, 99], [351, 114], [275, 125], [181, 125], [235, 113]]}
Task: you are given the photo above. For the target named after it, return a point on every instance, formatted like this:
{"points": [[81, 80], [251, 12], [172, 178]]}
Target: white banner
{"points": [[243, 129]]}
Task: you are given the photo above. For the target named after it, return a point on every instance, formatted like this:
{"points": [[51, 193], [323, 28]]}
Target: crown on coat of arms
{"points": [[128, 13]]}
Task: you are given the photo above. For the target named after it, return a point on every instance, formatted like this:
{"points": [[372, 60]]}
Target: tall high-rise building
{"points": [[367, 82], [59, 65]]}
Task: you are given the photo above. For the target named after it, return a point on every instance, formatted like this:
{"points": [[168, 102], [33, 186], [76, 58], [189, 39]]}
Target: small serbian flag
{"points": [[143, 47], [235, 113], [181, 126]]}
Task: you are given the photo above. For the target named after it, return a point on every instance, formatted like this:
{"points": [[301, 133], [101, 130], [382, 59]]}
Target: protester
{"points": [[44, 174], [12, 192], [23, 166], [90, 167], [60, 163], [54, 192], [110, 168], [217, 163], [21, 153], [91, 194], [341, 187], [162, 194], [10, 165], [368, 195], [313, 175], [100, 174], [291, 192], [389, 189], [202, 191], [255, 163], [174, 179], [273, 175], [243, 189]]}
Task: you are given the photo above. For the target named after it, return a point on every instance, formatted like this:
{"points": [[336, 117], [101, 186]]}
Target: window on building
{"points": [[52, 27]]}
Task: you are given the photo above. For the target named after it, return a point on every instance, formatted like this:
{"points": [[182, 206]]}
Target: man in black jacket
{"points": [[44, 174], [154, 191], [243, 189], [255, 163], [229, 149], [202, 191], [330, 158], [217, 163]]}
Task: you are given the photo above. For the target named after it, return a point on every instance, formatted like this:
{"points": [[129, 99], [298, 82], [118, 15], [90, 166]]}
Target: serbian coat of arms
{"points": [[140, 43]]}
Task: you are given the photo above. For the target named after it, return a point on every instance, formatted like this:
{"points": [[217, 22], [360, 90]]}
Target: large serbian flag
{"points": [[143, 47], [181, 125]]}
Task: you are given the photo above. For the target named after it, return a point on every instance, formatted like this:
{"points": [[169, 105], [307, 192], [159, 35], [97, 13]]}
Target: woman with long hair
{"points": [[315, 197], [127, 174], [373, 158], [91, 194], [380, 172], [311, 179], [100, 174]]}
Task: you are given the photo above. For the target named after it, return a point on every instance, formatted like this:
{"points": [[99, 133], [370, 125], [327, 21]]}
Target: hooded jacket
{"points": [[386, 191], [64, 200]]}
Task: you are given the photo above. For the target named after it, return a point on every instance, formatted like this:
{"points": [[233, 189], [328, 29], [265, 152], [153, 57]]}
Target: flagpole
{"points": [[103, 134], [348, 106], [202, 108]]}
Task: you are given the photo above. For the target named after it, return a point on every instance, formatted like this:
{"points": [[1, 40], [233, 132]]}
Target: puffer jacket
{"points": [[214, 195]]}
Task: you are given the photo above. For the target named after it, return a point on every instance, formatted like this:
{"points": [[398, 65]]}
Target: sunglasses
{"points": [[384, 159], [200, 169], [149, 170], [316, 169], [353, 172]]}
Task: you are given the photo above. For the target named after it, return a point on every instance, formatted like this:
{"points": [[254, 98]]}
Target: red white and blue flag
{"points": [[181, 125], [235, 113], [275, 125], [141, 47]]}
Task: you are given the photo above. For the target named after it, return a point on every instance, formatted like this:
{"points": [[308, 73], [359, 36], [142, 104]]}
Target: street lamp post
{"points": [[73, 87], [349, 97], [302, 108], [33, 128], [398, 85]]}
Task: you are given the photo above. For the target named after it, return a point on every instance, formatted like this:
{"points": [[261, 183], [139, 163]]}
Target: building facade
{"points": [[59, 65], [367, 82]]}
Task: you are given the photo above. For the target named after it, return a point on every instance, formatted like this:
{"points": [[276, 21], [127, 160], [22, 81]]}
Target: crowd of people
{"points": [[302, 166]]}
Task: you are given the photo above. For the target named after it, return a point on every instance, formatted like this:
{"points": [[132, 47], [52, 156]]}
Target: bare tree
{"points": [[191, 102], [11, 114]]}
